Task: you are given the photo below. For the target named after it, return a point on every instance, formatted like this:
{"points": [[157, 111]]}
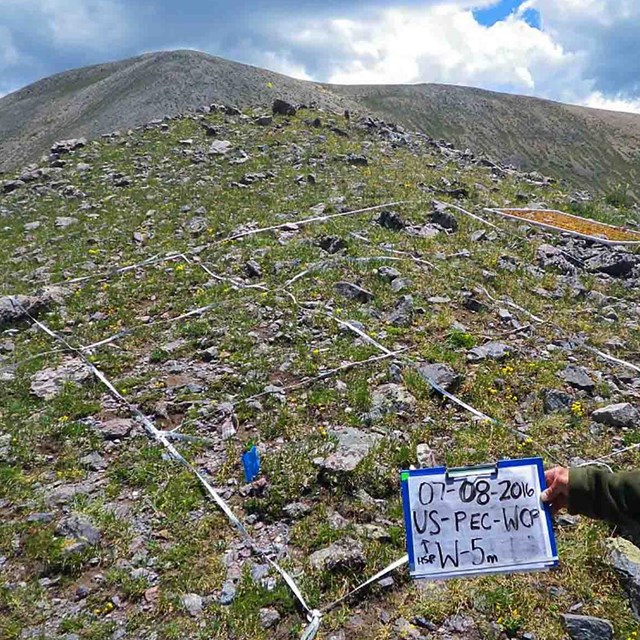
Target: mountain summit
{"points": [[589, 148]]}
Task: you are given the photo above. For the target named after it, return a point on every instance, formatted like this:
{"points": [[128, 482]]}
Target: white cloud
{"points": [[69, 24], [437, 43], [599, 101], [8, 52], [282, 64], [442, 42]]}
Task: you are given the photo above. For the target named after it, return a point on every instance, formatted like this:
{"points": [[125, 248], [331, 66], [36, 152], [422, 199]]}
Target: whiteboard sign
{"points": [[477, 520]]}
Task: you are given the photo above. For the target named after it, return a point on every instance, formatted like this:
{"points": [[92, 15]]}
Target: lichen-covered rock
{"points": [[47, 383], [624, 557], [344, 555], [390, 399], [352, 446]]}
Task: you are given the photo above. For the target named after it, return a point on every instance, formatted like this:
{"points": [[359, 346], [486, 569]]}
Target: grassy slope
{"points": [[50, 438]]}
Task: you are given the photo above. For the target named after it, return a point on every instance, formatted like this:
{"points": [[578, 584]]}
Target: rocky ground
{"points": [[315, 342]]}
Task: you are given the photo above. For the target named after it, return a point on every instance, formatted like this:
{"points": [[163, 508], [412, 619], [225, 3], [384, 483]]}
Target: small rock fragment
{"points": [[489, 351], [353, 291], [269, 617], [192, 602]]}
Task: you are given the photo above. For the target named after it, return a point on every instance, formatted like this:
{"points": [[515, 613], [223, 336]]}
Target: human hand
{"points": [[557, 491]]}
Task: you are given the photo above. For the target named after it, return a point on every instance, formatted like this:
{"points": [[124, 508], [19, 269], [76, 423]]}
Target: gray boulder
{"points": [[228, 593], [192, 602], [617, 265], [66, 146], [5, 447], [444, 219], [549, 256], [619, 415], [80, 529], [587, 627], [282, 108], [220, 147], [116, 429], [555, 401], [490, 351], [402, 314], [62, 222], [391, 220], [332, 244], [344, 555], [269, 617], [442, 374], [388, 273]]}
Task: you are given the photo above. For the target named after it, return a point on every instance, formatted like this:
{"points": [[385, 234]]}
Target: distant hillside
{"points": [[99, 99], [589, 148]]}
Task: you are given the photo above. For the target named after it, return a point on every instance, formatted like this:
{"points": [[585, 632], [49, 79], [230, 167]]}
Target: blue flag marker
{"points": [[251, 464]]}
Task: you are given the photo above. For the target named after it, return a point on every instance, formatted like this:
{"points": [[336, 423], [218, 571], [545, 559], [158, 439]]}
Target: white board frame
{"points": [[476, 472]]}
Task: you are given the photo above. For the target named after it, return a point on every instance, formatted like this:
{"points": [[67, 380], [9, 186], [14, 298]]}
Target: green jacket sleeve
{"points": [[598, 493]]}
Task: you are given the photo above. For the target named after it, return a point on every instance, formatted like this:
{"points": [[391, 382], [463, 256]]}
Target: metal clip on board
{"points": [[478, 471]]}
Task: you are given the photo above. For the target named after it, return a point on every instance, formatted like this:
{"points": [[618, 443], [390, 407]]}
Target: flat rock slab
{"points": [[619, 415], [49, 382], [577, 377], [587, 627], [353, 446], [490, 351]]}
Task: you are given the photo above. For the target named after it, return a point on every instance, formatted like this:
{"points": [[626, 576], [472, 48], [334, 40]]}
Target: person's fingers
{"points": [[550, 475], [551, 492]]}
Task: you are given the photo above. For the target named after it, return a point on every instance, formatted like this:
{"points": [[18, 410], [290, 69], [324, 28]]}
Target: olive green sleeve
{"points": [[598, 493]]}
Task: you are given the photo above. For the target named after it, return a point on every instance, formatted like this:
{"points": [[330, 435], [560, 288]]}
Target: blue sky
{"points": [[579, 51]]}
